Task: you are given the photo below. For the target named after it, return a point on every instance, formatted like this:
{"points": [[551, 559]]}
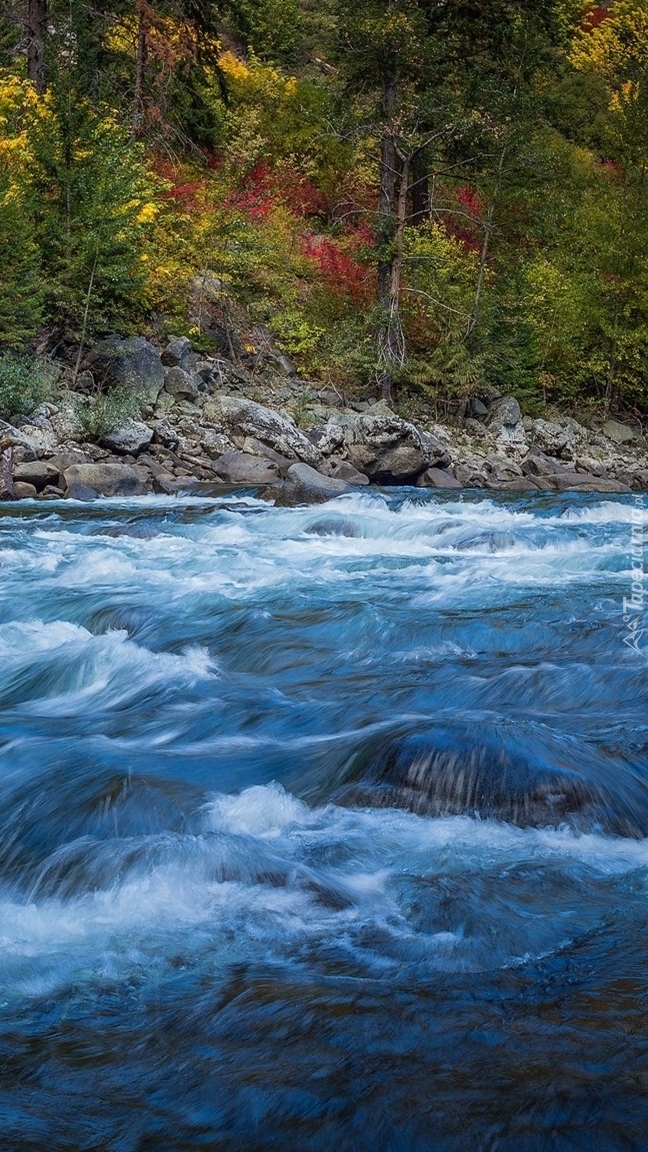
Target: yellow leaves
{"points": [[233, 68], [618, 48], [147, 214]]}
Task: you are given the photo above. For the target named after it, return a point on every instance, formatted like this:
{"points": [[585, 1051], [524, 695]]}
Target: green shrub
{"points": [[105, 411], [24, 384]]}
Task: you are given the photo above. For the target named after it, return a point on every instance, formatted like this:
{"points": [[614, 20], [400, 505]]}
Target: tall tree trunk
{"points": [[489, 224], [386, 222], [36, 31], [420, 189], [140, 67]]}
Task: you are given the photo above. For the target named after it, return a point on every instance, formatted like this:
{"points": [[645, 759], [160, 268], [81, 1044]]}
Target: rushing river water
{"points": [[259, 883]]}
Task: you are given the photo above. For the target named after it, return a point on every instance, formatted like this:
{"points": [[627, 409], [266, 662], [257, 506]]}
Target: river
{"points": [[225, 922]]}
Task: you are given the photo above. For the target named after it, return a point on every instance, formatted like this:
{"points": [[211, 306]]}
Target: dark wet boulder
{"points": [[518, 774]]}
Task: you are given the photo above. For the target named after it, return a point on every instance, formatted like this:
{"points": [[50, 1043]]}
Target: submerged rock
{"points": [[519, 776]]}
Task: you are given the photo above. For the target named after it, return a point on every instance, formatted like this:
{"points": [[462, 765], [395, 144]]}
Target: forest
{"points": [[434, 196]]}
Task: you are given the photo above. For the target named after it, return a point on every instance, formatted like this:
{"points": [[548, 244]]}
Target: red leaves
{"points": [[594, 18]]}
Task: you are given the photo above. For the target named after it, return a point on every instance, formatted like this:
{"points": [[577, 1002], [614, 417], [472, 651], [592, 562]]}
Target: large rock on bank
{"points": [[304, 485], [83, 481], [241, 418], [380, 445], [133, 363]]}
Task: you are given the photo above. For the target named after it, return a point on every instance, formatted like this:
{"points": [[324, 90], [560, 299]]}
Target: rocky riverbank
{"points": [[208, 422]]}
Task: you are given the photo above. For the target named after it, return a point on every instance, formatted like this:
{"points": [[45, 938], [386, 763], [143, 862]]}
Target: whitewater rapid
{"points": [[204, 941]]}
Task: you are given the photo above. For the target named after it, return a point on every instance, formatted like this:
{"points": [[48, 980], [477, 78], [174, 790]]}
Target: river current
{"points": [[224, 921]]}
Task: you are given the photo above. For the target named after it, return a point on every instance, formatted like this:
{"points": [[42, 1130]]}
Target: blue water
{"points": [[217, 929]]}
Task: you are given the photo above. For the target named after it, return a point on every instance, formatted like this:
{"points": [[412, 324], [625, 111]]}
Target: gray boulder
{"points": [[179, 353], [215, 444], [107, 479], [536, 463], [553, 439], [38, 474], [504, 413], [131, 438], [178, 382], [582, 482], [24, 491], [304, 485], [342, 470], [241, 418], [437, 478], [619, 433], [134, 363], [504, 420], [390, 450], [241, 468]]}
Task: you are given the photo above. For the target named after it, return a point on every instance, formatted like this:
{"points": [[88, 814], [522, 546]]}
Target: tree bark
{"points": [[386, 223], [420, 190], [36, 31], [6, 475], [140, 68]]}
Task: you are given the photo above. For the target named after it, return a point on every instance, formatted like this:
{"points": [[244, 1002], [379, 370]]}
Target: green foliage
{"points": [[105, 411], [94, 207], [20, 284], [24, 384]]}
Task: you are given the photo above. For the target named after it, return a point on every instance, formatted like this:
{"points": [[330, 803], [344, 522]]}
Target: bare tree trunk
{"points": [[386, 239], [6, 475], [36, 31]]}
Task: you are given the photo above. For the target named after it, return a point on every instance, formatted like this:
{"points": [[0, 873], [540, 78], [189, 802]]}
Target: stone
{"points": [[304, 485], [215, 444], [552, 438], [255, 448], [437, 478], [474, 428], [80, 492], [6, 471], [23, 491], [179, 353], [619, 433], [37, 475], [164, 433], [134, 363], [350, 475], [173, 486], [240, 468], [178, 382], [242, 418], [504, 413], [581, 482], [490, 771], [131, 438], [107, 479], [477, 408], [536, 463], [388, 449]]}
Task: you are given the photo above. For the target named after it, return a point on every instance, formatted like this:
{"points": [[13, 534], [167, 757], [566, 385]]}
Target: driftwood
{"points": [[6, 472]]}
